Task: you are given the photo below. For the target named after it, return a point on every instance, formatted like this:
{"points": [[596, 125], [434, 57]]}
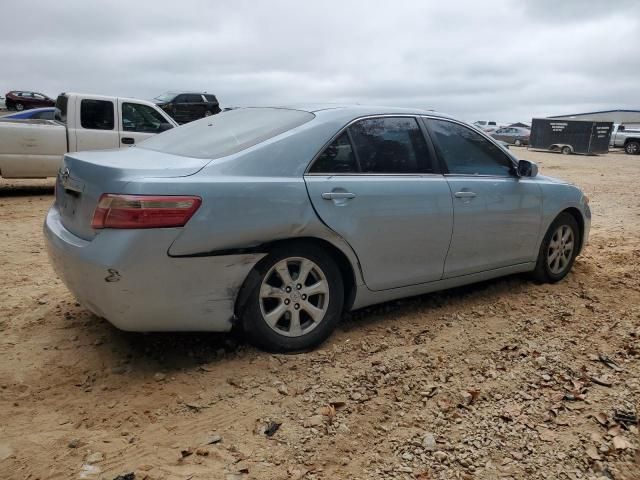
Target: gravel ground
{"points": [[505, 379]]}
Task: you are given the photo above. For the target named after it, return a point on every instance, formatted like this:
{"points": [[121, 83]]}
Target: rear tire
{"points": [[632, 148], [292, 300], [518, 143], [558, 250], [566, 150]]}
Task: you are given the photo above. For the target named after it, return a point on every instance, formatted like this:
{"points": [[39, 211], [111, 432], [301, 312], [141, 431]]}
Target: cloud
{"points": [[502, 60]]}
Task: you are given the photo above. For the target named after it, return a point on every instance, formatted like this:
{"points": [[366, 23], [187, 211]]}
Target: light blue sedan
{"points": [[276, 220]]}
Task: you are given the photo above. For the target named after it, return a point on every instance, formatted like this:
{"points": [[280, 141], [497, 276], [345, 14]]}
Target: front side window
{"points": [[140, 118], [96, 114], [466, 152], [193, 98]]}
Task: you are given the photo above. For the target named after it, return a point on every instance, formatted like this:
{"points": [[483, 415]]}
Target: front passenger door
{"points": [[497, 215], [138, 122]]}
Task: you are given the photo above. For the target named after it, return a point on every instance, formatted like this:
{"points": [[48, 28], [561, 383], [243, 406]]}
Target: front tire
{"points": [[632, 148], [19, 107], [558, 250], [292, 300]]}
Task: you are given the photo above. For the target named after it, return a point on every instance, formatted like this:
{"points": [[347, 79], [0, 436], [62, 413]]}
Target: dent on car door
{"points": [[497, 215], [377, 187]]}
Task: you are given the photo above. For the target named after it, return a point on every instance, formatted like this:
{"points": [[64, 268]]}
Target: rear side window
{"points": [[61, 109], [228, 132], [44, 115], [390, 145], [336, 158], [96, 114], [380, 145], [211, 98], [194, 98], [466, 152]]}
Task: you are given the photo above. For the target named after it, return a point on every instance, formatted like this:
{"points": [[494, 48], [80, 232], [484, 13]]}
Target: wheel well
{"points": [[631, 140], [343, 263], [575, 213]]}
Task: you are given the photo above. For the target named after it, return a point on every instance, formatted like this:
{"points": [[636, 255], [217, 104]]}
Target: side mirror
{"points": [[527, 168], [164, 127]]}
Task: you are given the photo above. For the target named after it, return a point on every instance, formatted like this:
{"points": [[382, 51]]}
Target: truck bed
{"points": [[31, 148]]}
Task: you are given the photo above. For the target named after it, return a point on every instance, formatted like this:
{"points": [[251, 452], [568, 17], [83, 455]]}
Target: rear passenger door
{"points": [[497, 215], [97, 126], [378, 187]]}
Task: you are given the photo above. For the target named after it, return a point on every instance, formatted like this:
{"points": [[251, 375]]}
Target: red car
{"points": [[19, 100]]}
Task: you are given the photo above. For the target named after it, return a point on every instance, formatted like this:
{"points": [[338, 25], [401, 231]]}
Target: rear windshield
{"points": [[227, 133], [166, 97]]}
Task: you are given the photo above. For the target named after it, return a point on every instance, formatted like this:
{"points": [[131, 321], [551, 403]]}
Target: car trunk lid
{"points": [[85, 176]]}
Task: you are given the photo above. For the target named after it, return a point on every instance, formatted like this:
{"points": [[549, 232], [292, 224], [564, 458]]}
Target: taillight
{"points": [[144, 211]]}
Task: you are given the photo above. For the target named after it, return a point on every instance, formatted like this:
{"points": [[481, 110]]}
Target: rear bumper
{"points": [[126, 277]]}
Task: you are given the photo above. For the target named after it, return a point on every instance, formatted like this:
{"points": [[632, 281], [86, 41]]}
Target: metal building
{"points": [[626, 117]]}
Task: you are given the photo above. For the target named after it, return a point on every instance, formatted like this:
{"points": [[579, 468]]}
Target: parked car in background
{"points": [[487, 125], [34, 148], [3, 105], [20, 100], [517, 136], [45, 113], [185, 107], [627, 138], [277, 220]]}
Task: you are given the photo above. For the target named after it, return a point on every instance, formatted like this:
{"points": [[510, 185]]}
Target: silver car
{"points": [[517, 136], [276, 220]]}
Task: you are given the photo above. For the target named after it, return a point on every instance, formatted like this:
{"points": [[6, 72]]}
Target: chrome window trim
{"points": [[356, 174], [343, 129]]}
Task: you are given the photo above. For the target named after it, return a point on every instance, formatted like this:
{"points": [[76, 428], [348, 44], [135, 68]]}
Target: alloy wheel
{"points": [[294, 296], [560, 249]]}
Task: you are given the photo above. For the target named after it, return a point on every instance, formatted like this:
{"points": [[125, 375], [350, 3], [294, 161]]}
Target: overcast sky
{"points": [[492, 60]]}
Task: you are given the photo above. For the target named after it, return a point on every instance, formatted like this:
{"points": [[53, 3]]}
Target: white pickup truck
{"points": [[34, 148], [627, 138]]}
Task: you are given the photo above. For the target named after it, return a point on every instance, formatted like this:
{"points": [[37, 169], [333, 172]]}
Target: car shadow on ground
{"points": [[15, 190], [170, 352]]}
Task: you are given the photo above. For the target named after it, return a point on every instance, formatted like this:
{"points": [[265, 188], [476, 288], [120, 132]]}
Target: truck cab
{"points": [[98, 123]]}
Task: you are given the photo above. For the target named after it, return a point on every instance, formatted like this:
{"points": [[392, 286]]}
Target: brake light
{"points": [[144, 211]]}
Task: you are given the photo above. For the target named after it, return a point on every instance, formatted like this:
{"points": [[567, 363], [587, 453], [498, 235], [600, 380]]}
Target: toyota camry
{"points": [[277, 220]]}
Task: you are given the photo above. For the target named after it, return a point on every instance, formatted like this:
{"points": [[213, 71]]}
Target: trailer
{"points": [[570, 136]]}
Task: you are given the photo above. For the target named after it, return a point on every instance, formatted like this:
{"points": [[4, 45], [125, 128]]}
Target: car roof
{"points": [[356, 110]]}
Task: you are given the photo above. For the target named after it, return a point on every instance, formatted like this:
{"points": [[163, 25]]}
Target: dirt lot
{"points": [[497, 380]]}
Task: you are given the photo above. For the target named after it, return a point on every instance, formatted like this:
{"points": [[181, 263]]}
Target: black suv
{"points": [[186, 107]]}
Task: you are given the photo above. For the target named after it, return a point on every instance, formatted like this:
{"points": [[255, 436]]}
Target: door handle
{"points": [[338, 195], [465, 194], [128, 140]]}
